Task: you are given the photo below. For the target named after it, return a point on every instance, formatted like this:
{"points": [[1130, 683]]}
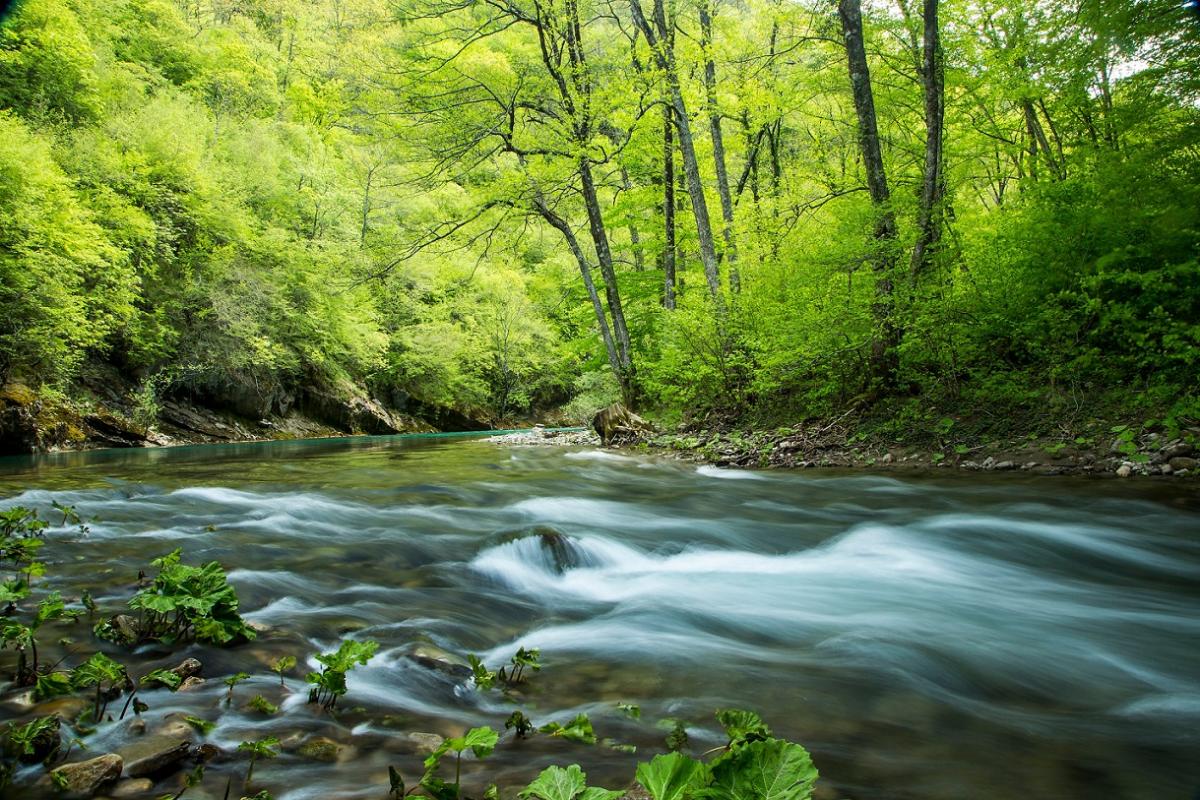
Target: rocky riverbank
{"points": [[37, 423], [1117, 450]]}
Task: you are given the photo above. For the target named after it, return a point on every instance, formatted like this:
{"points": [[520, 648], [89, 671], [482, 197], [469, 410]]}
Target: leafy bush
{"points": [[185, 602]]}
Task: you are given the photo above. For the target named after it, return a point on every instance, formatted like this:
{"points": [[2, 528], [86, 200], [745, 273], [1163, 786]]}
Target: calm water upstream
{"points": [[952, 637]]}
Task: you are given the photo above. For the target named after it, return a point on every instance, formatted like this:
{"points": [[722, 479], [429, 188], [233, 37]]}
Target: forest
{"points": [[753, 212]]}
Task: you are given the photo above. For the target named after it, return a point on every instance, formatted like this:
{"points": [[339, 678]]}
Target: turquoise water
{"points": [[925, 637]]}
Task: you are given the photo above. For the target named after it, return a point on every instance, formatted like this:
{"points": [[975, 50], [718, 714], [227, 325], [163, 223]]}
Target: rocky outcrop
{"points": [[352, 413], [30, 424]]}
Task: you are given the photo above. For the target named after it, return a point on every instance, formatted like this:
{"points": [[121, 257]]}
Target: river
{"points": [[937, 637]]}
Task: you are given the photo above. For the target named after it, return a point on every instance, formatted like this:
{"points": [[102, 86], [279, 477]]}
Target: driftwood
{"points": [[617, 424]]}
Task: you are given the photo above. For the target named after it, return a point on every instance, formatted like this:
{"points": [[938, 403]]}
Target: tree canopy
{"points": [[733, 207]]}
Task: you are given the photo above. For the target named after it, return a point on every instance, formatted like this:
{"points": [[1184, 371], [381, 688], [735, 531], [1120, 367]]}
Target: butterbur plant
{"points": [[183, 603], [519, 724], [751, 765], [484, 678], [577, 730], [330, 683], [569, 783], [232, 681], [281, 666], [521, 660], [103, 673], [480, 741], [258, 748]]}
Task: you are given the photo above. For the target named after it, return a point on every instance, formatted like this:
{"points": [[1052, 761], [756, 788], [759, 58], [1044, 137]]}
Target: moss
{"points": [[18, 394]]}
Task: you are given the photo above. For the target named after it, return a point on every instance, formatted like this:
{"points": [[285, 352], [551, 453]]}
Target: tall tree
{"points": [[659, 36], [933, 86], [887, 333]]}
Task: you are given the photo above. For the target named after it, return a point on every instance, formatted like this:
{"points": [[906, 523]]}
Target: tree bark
{"points": [[929, 222], [604, 257], [635, 237], [658, 37], [560, 224], [714, 126], [887, 333], [668, 253]]}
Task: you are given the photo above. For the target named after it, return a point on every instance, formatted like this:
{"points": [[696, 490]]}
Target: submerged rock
{"points": [[320, 748], [155, 754], [433, 657], [131, 787]]}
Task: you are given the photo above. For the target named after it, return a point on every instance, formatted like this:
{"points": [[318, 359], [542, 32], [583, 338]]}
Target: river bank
{"points": [[1118, 451], [110, 413]]}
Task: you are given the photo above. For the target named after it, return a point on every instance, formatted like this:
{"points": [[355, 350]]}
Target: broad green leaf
{"points": [[673, 776], [557, 783], [165, 677], [766, 770], [742, 726], [577, 730], [52, 685]]}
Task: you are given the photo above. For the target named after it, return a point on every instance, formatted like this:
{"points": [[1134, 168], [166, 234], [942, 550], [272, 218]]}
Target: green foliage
{"points": [[677, 738], [103, 673], [282, 665], [202, 726], [36, 737], [232, 681], [557, 783], [519, 724], [578, 729], [185, 602], [262, 705], [258, 749], [480, 741], [763, 770], [515, 672], [673, 776], [330, 683], [484, 678], [164, 677], [742, 727]]}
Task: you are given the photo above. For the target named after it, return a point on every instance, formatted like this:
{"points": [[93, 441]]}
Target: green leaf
{"points": [[481, 741], [397, 783], [630, 710], [577, 730], [99, 668], [165, 677], [766, 770], [53, 685], [202, 725], [673, 776], [742, 726], [557, 783]]}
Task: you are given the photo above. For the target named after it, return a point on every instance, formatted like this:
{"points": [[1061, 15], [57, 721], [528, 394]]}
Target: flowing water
{"points": [[925, 637]]}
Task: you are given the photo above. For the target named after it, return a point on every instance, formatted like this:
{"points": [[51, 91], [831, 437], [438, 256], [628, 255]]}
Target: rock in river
{"points": [[154, 755], [85, 778]]}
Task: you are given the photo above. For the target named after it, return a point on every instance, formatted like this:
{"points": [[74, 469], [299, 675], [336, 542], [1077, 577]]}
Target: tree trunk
{"points": [[635, 238], [929, 222], [887, 334], [614, 360], [659, 39], [604, 257], [668, 253], [714, 126]]}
